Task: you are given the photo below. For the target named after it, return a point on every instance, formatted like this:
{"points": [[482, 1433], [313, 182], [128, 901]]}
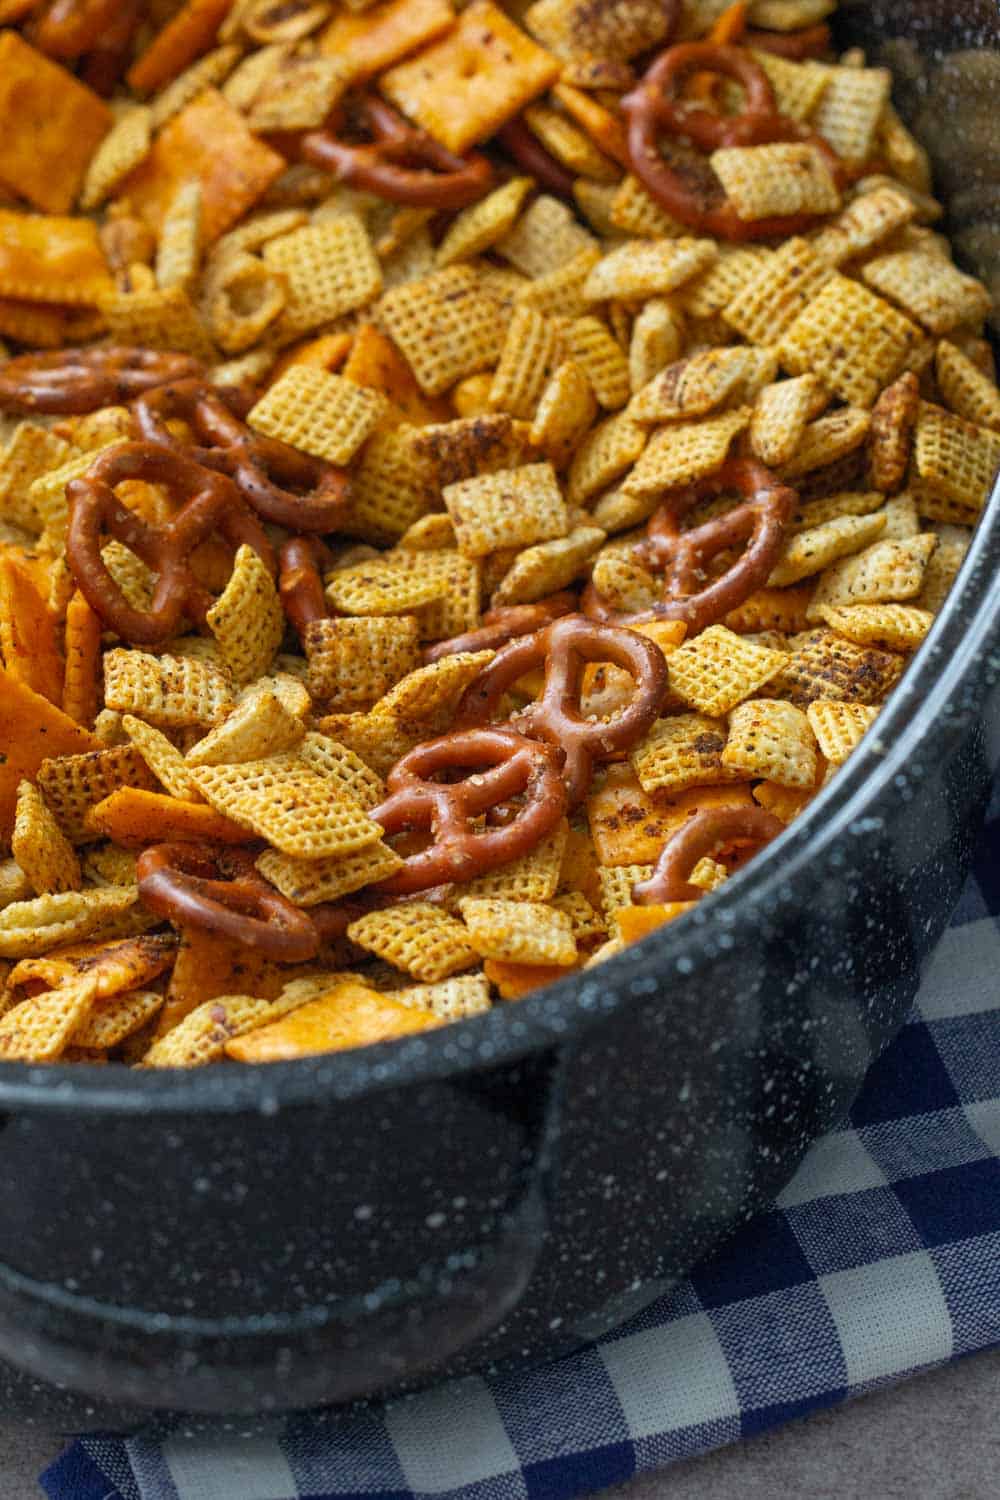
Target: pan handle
{"points": [[316, 1355]]}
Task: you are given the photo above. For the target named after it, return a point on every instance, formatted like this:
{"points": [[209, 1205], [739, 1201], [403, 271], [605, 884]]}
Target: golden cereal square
{"points": [[825, 665], [717, 670], [548, 567], [525, 359], [604, 455], [836, 436], [839, 727], [247, 619], [680, 751], [284, 801], [964, 389], [854, 341], [954, 458], [307, 882], [260, 725], [40, 1028], [533, 877], [592, 347], [330, 268], [29, 928], [888, 572], [687, 451], [40, 846], [890, 627], [769, 300], [651, 268], [395, 583], [564, 413], [695, 386], [525, 932], [339, 764], [511, 508], [392, 486], [614, 31], [480, 226], [894, 418], [162, 757], [798, 86], [52, 126], [559, 293], [809, 551], [617, 885], [771, 740], [465, 86], [73, 784], [322, 414], [31, 453], [113, 1018], [449, 999], [850, 109], [636, 212], [714, 289], [863, 225], [123, 148], [445, 325], [170, 692], [157, 318], [418, 938], [546, 236], [929, 289], [762, 182], [471, 445], [353, 662], [202, 1036], [781, 414]]}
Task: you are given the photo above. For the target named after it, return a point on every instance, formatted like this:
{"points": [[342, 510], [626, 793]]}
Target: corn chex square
{"points": [[329, 269], [809, 552], [260, 725], [418, 938], [636, 212], [617, 885], [599, 355], [525, 359], [865, 223], [162, 757], [40, 846], [481, 225], [798, 86], [714, 289], [29, 928], [890, 627], [545, 237], [771, 740], [855, 342], [450, 999], [322, 414], [395, 583], [525, 932], [617, 30], [391, 487], [533, 877], [781, 414], [694, 386], [247, 619], [684, 452], [964, 388], [849, 111], [680, 751], [564, 413], [943, 568], [763, 182], [284, 801], [113, 1018], [353, 662], [307, 882], [339, 764], [717, 670], [445, 325], [157, 318], [651, 268], [769, 300], [888, 572], [201, 1037], [548, 567], [839, 727], [930, 289], [511, 508], [837, 436], [604, 455], [955, 458], [73, 784], [825, 665]]}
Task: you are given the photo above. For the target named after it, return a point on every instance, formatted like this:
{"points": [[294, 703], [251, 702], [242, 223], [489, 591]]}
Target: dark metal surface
{"points": [[245, 1239]]}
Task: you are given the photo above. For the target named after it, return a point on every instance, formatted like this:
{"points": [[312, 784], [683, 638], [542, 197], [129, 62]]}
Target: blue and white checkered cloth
{"points": [[881, 1258]]}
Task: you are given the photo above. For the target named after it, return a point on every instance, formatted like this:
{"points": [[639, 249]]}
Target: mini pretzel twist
{"points": [[515, 767], [697, 837], [506, 623], [657, 106], [74, 381], [300, 582], [209, 503], [520, 141], [69, 28], [399, 163], [564, 650], [182, 883], [281, 484], [683, 556]]}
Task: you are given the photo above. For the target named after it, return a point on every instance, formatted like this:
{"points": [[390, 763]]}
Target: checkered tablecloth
{"points": [[882, 1257]]}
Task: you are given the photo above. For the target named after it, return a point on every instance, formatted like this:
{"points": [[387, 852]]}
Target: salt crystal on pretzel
{"points": [[525, 360], [826, 665], [307, 882], [809, 552], [28, 928], [771, 740], [168, 691], [418, 938], [717, 670], [888, 572], [685, 452], [855, 342], [40, 846], [330, 269], [284, 801], [591, 347]]}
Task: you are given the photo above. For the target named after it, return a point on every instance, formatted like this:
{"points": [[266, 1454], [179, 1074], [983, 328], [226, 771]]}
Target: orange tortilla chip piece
{"points": [[211, 142], [375, 362], [28, 633], [135, 817], [351, 1015], [635, 922], [186, 36], [328, 352], [367, 44], [52, 125], [207, 966], [31, 730], [48, 259], [629, 827], [514, 981]]}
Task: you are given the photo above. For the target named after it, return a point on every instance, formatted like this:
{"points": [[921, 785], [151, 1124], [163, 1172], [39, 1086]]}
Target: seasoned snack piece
{"points": [[772, 740], [519, 931], [40, 847], [247, 619], [285, 801], [825, 665], [446, 326], [955, 459], [329, 269], [168, 691], [349, 1015], [680, 751], [53, 124], [893, 421], [839, 727], [515, 507], [73, 785], [852, 340], [418, 938], [671, 880], [28, 928], [717, 670]]}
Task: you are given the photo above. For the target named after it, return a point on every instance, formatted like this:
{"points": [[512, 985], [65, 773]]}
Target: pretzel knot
{"points": [[520, 141], [697, 837], [515, 767], [208, 503], [69, 28], [182, 883], [399, 163], [505, 623], [73, 381], [564, 650], [688, 594], [280, 483], [657, 105]]}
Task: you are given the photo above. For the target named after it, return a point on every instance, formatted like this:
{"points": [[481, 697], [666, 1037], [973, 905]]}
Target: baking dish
{"points": [[242, 1240]]}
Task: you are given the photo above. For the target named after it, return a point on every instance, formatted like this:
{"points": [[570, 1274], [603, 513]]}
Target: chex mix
{"points": [[469, 478]]}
